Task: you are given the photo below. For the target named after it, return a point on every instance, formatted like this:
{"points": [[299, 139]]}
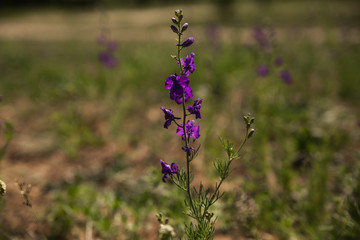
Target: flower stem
{"points": [[188, 187]]}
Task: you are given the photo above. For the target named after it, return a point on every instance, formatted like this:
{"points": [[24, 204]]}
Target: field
{"points": [[89, 138]]}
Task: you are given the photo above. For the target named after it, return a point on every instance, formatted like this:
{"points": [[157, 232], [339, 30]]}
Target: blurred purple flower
{"points": [[106, 55], [167, 169], [107, 59], [192, 131], [188, 64], [195, 108], [169, 116], [262, 70], [286, 76], [278, 61]]}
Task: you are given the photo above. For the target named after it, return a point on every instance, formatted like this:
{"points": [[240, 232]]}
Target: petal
{"points": [[170, 81]]}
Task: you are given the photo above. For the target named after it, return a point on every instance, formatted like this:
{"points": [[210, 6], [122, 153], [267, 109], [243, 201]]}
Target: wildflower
{"points": [[278, 61], [195, 108], [188, 64], [187, 150], [286, 76], [168, 169], [178, 85], [188, 42], [169, 116], [191, 130], [263, 70]]}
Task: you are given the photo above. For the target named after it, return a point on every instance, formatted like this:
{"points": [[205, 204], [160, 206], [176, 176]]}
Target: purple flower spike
{"points": [[188, 64], [195, 108], [188, 42], [169, 116], [167, 169], [263, 70], [192, 131], [278, 61], [286, 76]]}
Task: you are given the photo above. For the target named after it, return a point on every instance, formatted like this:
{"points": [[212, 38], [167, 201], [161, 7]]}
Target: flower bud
{"points": [[251, 133], [188, 42], [174, 20], [2, 188], [184, 27], [174, 29], [178, 13]]}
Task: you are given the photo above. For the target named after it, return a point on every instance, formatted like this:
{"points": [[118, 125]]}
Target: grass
{"points": [[99, 134]]}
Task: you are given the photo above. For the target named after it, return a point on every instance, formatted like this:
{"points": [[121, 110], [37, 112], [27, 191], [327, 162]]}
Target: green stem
{"points": [[188, 187]]}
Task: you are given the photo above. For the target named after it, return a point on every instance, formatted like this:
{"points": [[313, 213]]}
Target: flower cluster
{"points": [[264, 41], [107, 54], [180, 91]]}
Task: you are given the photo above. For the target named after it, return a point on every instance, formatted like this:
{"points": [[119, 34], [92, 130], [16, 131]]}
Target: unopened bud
{"points": [[174, 20], [251, 133], [184, 27], [188, 42], [174, 29], [252, 120], [178, 13]]}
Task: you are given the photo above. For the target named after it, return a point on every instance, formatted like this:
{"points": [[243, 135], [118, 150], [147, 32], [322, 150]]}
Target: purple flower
{"points": [[188, 64], [107, 59], [188, 42], [191, 130], [178, 85], [169, 116], [278, 61], [167, 169], [286, 76], [195, 108], [263, 70], [187, 150]]}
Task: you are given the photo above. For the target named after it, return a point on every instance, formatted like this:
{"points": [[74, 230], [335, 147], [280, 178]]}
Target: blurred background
{"points": [[82, 82]]}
